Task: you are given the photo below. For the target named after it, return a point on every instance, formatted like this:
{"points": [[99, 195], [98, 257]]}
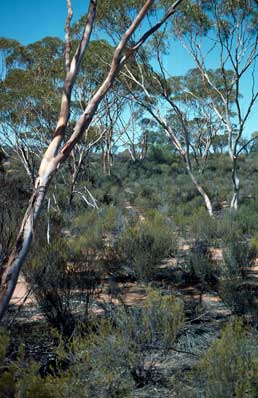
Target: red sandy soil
{"points": [[131, 293], [20, 292]]}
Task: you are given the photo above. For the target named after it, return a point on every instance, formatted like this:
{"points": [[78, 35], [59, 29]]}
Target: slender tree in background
{"points": [[57, 151], [187, 123], [233, 45]]}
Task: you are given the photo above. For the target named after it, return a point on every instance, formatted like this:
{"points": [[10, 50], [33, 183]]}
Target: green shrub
{"points": [[230, 368], [17, 378], [156, 324], [254, 245], [236, 288], [108, 361], [204, 227], [201, 266], [63, 283], [143, 245], [7, 372]]}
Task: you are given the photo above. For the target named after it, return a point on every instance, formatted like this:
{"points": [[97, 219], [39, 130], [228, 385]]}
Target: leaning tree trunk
{"points": [[186, 158], [55, 155], [201, 191], [51, 160]]}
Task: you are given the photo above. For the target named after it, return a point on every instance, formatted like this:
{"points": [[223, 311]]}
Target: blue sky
{"points": [[30, 20]]}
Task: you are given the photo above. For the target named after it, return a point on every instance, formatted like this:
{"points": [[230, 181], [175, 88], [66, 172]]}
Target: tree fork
{"points": [[54, 156]]}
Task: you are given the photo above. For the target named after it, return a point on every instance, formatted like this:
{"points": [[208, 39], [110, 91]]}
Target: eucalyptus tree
{"points": [[61, 145], [224, 34], [180, 106], [135, 132], [30, 89]]}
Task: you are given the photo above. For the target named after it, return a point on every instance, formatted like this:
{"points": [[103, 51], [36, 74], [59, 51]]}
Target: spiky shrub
{"points": [[7, 373], [144, 244], [228, 369], [63, 283], [236, 287], [51, 280], [67, 272], [19, 379], [201, 267], [155, 324], [231, 276], [109, 360], [94, 234]]}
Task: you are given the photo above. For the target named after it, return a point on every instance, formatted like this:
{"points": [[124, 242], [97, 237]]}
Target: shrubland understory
{"points": [[134, 183], [151, 230]]}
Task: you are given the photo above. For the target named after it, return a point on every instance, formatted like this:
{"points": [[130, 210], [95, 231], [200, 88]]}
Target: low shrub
{"points": [[108, 362], [236, 287], [143, 245], [228, 369], [62, 283]]}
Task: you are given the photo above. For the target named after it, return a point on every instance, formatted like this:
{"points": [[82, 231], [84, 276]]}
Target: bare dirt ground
{"points": [[207, 319], [206, 314], [20, 293]]}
